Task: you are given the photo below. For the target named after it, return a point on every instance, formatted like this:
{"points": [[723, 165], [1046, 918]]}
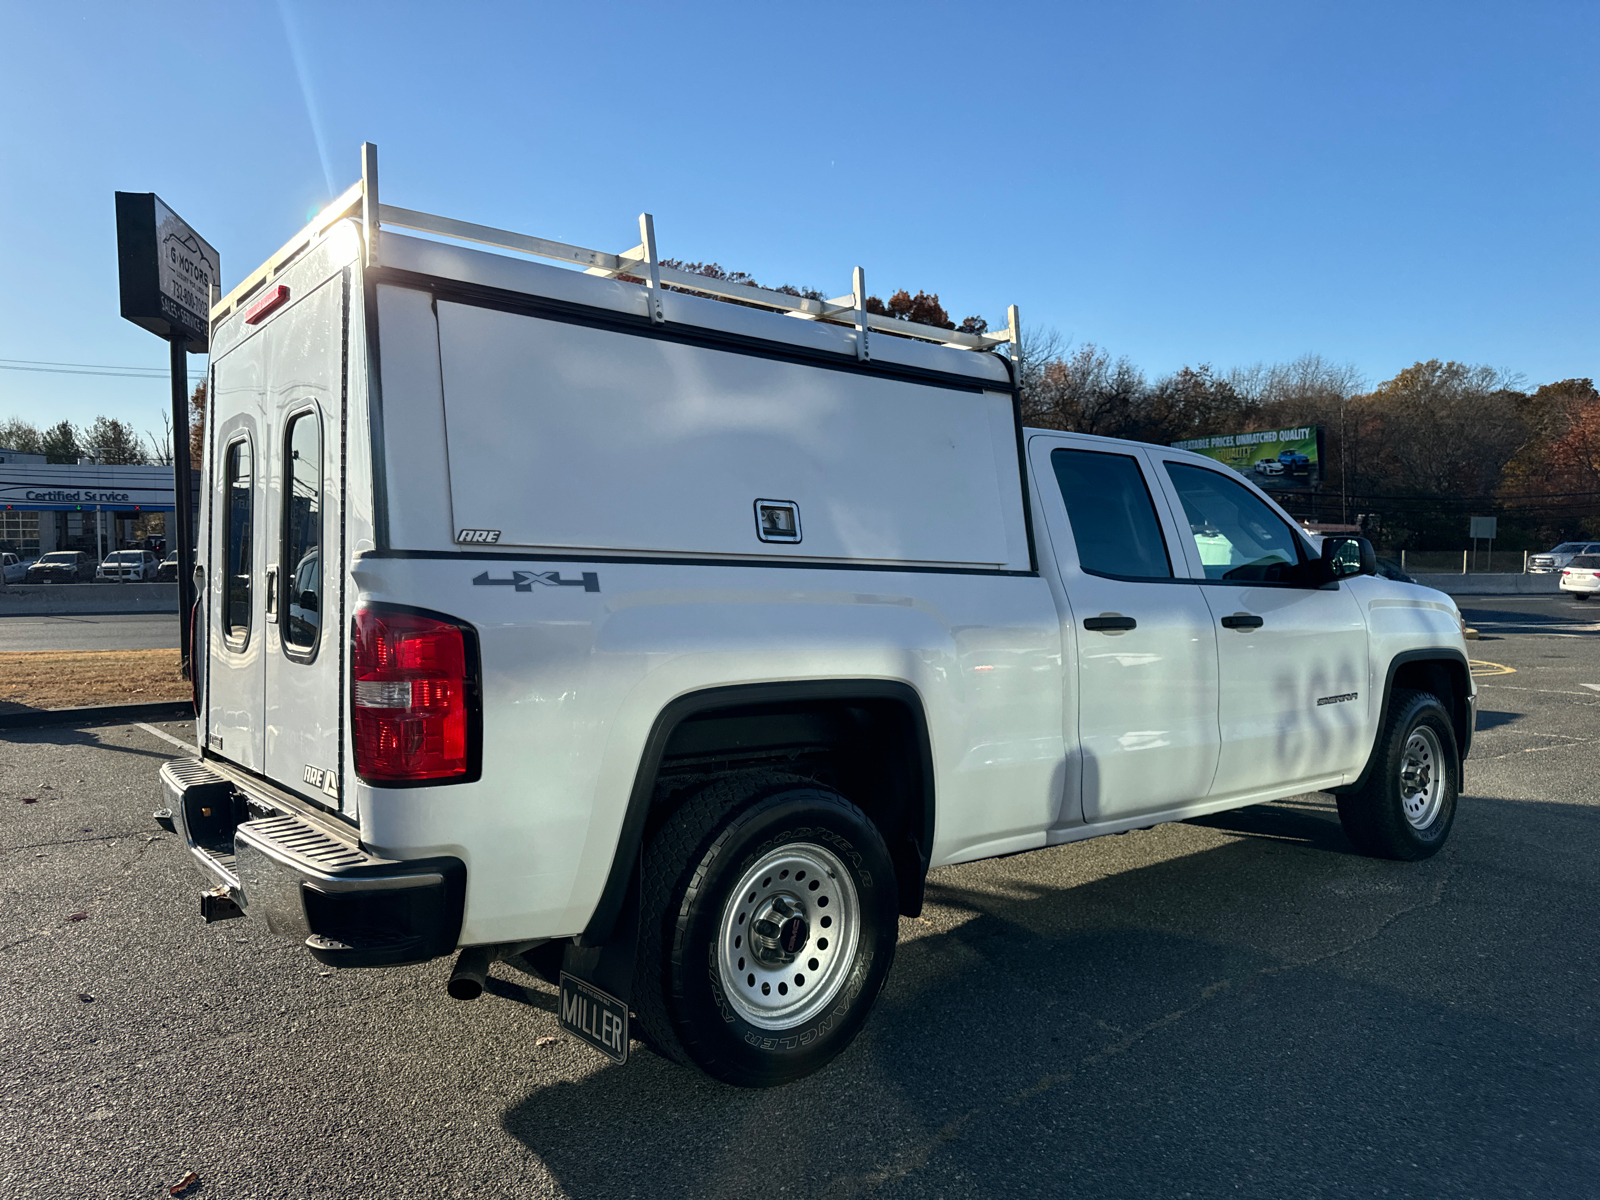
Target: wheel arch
{"points": [[1439, 670], [741, 720]]}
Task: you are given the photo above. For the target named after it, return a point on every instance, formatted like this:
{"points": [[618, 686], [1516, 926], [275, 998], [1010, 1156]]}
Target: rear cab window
{"points": [[1112, 514]]}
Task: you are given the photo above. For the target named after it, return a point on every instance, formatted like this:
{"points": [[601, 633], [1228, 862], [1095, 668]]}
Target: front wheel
{"points": [[1405, 808], [769, 922]]}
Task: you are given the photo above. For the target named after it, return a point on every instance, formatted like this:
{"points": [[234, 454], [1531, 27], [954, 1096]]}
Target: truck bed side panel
{"points": [[573, 681]]}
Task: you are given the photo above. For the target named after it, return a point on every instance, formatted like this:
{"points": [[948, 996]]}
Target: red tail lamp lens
{"points": [[410, 697]]}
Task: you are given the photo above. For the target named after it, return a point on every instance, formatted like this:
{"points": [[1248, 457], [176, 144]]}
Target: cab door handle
{"points": [[1242, 620], [1110, 623]]}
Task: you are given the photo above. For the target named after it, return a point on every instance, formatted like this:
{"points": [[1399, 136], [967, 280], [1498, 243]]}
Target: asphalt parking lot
{"points": [[1236, 1006]]}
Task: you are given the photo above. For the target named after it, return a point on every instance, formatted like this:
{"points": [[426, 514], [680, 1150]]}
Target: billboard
{"points": [[1269, 458]]}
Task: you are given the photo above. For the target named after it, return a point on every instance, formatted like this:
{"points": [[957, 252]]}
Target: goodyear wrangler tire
{"points": [[1408, 803], [769, 922]]}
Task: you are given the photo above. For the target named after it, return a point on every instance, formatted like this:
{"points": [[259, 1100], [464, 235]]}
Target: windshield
{"points": [[1587, 560], [65, 557], [1568, 548], [124, 556]]}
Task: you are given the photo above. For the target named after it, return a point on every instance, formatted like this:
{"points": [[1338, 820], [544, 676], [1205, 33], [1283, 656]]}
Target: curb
{"points": [[157, 710]]}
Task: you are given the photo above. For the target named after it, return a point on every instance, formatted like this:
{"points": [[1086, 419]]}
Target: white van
{"points": [[661, 645]]}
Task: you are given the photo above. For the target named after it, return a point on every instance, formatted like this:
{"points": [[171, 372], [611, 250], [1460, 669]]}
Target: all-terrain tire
{"points": [[1407, 804], [837, 904]]}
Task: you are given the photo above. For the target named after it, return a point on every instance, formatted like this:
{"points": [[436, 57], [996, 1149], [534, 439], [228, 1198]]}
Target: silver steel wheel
{"points": [[787, 937], [1422, 777]]}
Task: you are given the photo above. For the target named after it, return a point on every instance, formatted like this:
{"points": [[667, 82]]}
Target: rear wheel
{"points": [[1408, 803], [770, 915]]}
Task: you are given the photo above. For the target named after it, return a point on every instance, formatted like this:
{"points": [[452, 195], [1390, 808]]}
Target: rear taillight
{"points": [[412, 696]]}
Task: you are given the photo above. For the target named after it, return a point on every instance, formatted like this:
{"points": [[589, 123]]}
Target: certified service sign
{"points": [[170, 275]]}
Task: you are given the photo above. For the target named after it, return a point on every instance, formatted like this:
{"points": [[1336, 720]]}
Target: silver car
{"points": [[1562, 555]]}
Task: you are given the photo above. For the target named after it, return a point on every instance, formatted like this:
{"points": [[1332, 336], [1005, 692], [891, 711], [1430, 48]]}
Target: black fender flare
{"points": [[625, 862], [1464, 727]]}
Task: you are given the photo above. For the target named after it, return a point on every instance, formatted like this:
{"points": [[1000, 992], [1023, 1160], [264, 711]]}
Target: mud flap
{"points": [[597, 982]]}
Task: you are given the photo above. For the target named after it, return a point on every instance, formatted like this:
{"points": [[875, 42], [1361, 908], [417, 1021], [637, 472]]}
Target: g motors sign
{"points": [[170, 276]]}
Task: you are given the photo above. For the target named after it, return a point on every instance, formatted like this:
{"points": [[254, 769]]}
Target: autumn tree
{"points": [[1086, 391], [1441, 428], [197, 424]]}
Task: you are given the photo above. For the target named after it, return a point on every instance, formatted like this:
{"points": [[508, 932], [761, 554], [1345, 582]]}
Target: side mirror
{"points": [[1343, 557]]}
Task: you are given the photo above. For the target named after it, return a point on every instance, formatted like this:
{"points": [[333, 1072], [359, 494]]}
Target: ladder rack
{"points": [[640, 262]]}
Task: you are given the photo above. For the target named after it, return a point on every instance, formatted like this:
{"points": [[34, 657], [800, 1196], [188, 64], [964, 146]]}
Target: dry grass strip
{"points": [[68, 679]]}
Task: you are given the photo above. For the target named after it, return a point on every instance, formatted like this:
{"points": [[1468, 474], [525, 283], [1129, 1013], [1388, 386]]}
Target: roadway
{"points": [[1236, 1006], [83, 631]]}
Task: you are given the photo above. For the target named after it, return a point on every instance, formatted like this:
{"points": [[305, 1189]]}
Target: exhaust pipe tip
{"points": [[471, 972]]}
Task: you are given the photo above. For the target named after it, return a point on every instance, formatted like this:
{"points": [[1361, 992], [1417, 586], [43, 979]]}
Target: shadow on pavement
{"points": [[1269, 1016], [65, 736]]}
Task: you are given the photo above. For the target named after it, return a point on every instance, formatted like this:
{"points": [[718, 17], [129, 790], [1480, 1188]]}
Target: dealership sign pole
{"points": [[170, 278]]}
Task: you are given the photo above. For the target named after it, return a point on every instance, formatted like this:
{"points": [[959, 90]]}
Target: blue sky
{"points": [[1181, 183]]}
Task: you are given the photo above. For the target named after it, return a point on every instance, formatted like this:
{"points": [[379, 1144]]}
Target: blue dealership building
{"points": [[85, 506]]}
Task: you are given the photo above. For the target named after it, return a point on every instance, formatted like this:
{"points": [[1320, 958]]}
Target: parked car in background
{"points": [[62, 566], [1561, 556], [127, 566], [14, 568], [1581, 576], [167, 572]]}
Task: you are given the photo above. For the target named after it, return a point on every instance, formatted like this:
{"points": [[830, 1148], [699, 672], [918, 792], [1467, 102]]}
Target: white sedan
{"points": [[1581, 576]]}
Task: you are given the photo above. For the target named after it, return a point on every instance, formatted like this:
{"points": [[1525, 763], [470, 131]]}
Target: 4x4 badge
{"points": [[523, 581]]}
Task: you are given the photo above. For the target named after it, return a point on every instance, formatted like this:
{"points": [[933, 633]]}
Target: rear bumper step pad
{"points": [[350, 908]]}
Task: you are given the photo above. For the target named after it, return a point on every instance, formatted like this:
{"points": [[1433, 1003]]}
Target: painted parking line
{"points": [[1593, 687], [1480, 669], [167, 737]]}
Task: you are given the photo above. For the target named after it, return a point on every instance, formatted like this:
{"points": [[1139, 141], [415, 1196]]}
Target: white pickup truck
{"points": [[568, 616]]}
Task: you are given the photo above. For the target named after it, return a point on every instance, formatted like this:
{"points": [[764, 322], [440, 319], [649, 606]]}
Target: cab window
{"points": [[1113, 517], [302, 531], [1239, 538]]}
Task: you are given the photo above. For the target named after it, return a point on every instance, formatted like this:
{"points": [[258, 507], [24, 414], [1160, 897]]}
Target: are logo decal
{"points": [[477, 537]]}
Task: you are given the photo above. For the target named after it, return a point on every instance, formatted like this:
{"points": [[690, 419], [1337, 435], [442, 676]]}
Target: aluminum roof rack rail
{"points": [[639, 263]]}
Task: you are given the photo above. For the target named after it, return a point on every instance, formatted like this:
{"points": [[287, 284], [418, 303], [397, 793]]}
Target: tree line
{"points": [[1413, 456], [106, 439]]}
